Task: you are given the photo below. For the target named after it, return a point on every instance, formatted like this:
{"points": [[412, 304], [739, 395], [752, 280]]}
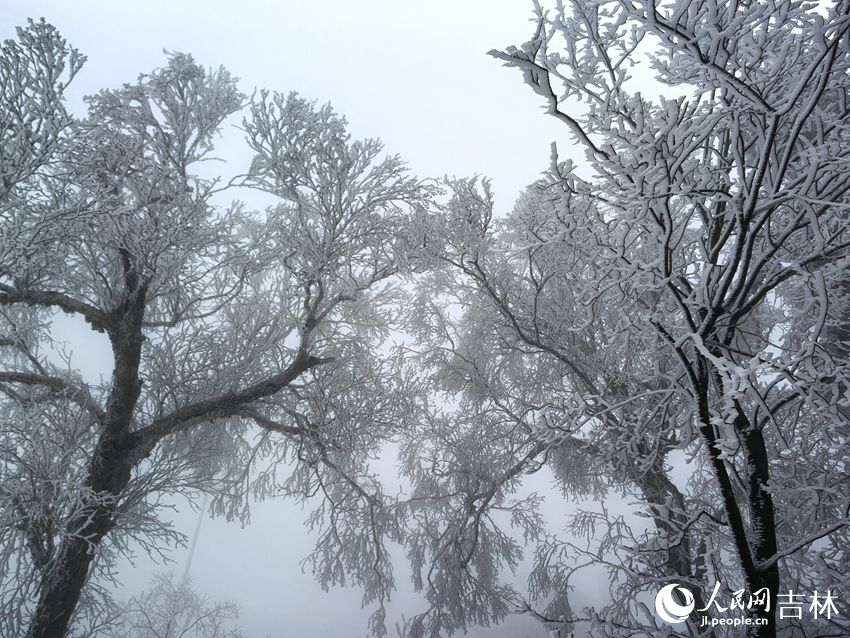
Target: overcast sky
{"points": [[414, 74]]}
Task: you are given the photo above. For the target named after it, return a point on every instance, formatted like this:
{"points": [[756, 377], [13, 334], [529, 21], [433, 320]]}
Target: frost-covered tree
{"points": [[683, 289], [169, 610], [244, 342], [528, 340]]}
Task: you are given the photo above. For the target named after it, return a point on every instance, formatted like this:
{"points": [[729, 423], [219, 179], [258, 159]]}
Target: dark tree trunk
{"points": [[762, 520], [757, 542], [65, 578], [108, 474]]}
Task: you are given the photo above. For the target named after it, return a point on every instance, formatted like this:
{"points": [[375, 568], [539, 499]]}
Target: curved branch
{"points": [[51, 299], [228, 404], [811, 538], [57, 385]]}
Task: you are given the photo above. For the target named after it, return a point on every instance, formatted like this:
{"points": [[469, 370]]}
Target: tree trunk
{"points": [[62, 584], [762, 521], [757, 543], [108, 474]]}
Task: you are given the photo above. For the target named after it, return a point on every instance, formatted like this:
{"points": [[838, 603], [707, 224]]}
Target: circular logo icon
{"points": [[668, 609]]}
